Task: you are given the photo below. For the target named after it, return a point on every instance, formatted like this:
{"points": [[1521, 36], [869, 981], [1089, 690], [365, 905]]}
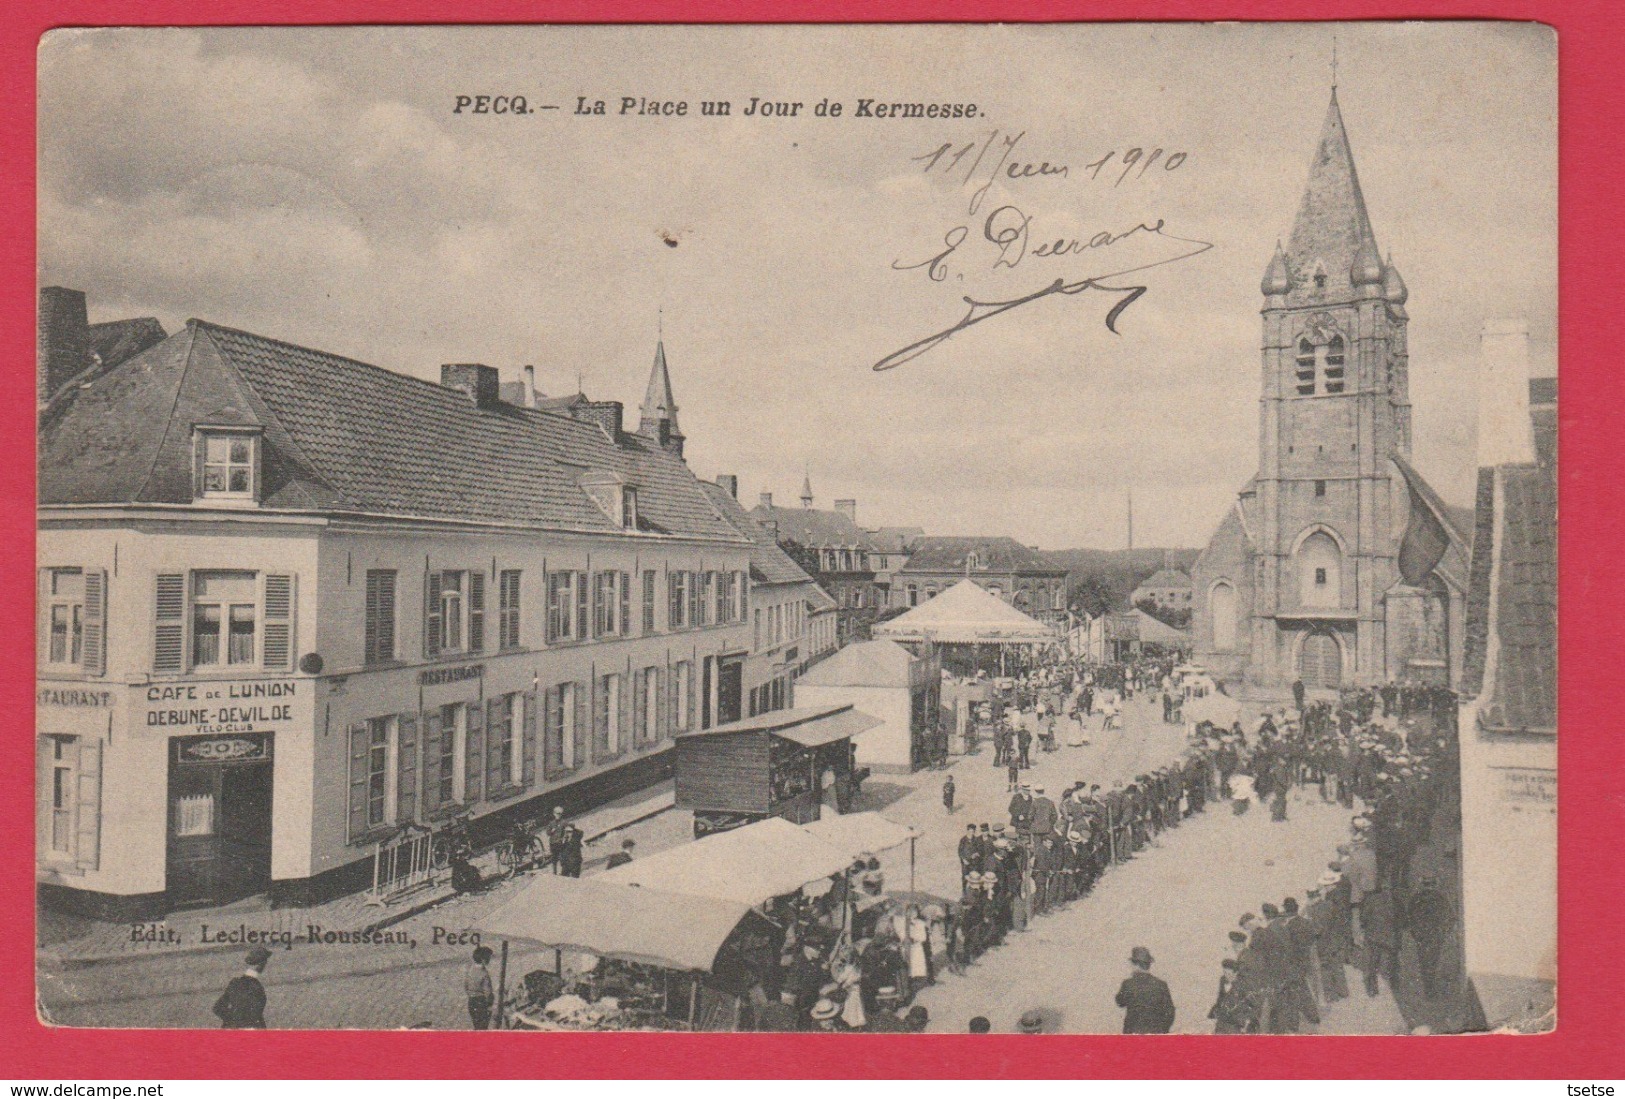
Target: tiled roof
{"points": [[995, 554], [343, 435], [112, 342], [1166, 578], [896, 539], [768, 563], [1517, 676], [814, 528]]}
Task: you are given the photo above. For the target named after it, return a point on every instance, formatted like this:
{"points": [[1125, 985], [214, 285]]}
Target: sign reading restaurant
{"points": [[220, 708]]}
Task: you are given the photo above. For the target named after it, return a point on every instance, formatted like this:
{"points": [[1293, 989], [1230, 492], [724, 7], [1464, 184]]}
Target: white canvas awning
{"points": [[965, 614], [673, 931], [749, 865], [857, 833]]}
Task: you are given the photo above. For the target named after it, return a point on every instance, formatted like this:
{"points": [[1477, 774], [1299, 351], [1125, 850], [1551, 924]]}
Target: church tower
{"points": [[658, 416], [1334, 411]]}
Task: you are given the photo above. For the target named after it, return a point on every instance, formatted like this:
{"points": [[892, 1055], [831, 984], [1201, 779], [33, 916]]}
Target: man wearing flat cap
{"points": [[1148, 1006], [242, 1005]]}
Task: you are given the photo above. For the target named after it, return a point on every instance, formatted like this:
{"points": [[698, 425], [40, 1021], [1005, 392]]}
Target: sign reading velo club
{"points": [[212, 708]]}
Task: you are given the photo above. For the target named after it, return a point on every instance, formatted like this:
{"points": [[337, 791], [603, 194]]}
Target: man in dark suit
{"points": [[1148, 1006], [242, 1005]]}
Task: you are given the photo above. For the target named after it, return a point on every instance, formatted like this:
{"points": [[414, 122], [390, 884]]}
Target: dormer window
{"points": [[614, 496], [227, 465]]}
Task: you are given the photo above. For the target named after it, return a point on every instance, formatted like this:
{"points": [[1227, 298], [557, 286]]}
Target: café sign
{"points": [[252, 748], [221, 708]]}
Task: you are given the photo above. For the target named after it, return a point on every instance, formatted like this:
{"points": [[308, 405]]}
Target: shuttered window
{"points": [[169, 618], [476, 612], [648, 601], [278, 607], [677, 593], [624, 587], [474, 756], [406, 781], [94, 656], [528, 735], [508, 609], [379, 632]]}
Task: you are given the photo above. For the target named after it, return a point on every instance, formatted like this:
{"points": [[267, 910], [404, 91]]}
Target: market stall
{"points": [[653, 954], [770, 765], [902, 690]]}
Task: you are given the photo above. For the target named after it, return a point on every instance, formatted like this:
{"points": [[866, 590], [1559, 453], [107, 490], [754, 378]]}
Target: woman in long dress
{"points": [[919, 961]]}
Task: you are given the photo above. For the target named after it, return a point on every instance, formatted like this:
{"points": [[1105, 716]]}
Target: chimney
{"points": [[766, 499], [848, 508], [606, 414], [729, 482], [1504, 431], [528, 374], [479, 383], [62, 339]]}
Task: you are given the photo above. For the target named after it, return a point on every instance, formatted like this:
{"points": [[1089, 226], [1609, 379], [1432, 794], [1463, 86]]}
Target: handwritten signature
{"points": [[1007, 229]]}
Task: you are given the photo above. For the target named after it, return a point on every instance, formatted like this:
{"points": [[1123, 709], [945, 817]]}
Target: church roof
{"points": [[658, 402], [814, 528], [1332, 230]]}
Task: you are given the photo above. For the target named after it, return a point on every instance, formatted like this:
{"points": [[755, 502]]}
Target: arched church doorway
{"points": [[1320, 661]]}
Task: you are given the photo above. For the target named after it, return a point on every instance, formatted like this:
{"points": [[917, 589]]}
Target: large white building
{"points": [[289, 602]]}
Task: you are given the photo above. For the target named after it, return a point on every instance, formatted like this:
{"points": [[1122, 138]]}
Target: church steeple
{"points": [[658, 419], [1332, 252], [806, 490]]}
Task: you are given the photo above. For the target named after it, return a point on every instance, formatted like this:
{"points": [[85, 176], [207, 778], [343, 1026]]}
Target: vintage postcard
{"points": [[977, 528]]}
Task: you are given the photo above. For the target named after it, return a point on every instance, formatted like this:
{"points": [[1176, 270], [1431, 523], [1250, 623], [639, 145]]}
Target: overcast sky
{"points": [[316, 186]]}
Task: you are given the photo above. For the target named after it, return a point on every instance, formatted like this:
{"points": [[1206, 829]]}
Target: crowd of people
{"points": [[1288, 961]]}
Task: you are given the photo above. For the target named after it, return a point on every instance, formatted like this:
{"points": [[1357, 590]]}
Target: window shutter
{"points": [[600, 719], [277, 648], [406, 778], [431, 761], [674, 604], [553, 741], [582, 716], [169, 617], [474, 757], [581, 605], [431, 614], [551, 584], [624, 716], [626, 605], [476, 611], [88, 818], [637, 708], [495, 772], [380, 616], [599, 602], [95, 622], [662, 724], [528, 760], [358, 780]]}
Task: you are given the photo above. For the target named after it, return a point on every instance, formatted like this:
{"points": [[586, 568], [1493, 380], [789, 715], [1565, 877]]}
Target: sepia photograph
{"points": [[935, 529]]}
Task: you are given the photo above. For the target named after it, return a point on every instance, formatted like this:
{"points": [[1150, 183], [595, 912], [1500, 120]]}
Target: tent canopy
{"points": [[855, 833], [966, 614], [1154, 631], [748, 865], [865, 664], [650, 926], [809, 726]]}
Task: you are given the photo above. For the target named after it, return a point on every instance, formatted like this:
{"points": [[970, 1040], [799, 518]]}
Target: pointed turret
{"points": [[1332, 247], [658, 418], [1278, 276], [1393, 287], [806, 490]]}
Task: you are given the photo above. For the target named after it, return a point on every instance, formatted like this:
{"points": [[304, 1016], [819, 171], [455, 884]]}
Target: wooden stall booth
{"points": [[771, 765]]}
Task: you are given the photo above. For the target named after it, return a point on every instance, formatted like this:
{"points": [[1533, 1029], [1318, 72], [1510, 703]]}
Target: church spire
{"points": [[1332, 249], [658, 420], [806, 490]]}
